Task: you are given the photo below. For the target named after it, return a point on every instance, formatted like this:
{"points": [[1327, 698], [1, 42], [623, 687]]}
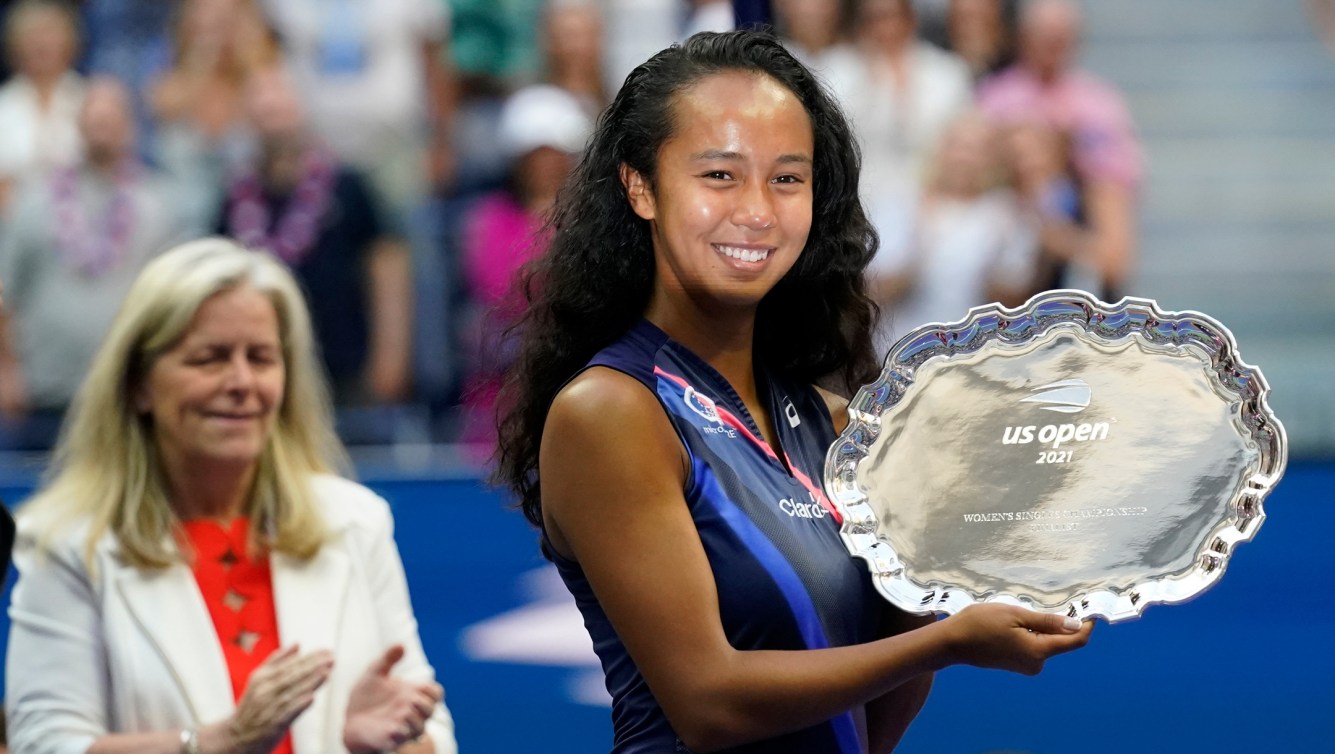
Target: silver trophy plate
{"points": [[1068, 456]]}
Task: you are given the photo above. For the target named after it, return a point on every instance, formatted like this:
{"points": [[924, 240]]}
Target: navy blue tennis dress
{"points": [[784, 579]]}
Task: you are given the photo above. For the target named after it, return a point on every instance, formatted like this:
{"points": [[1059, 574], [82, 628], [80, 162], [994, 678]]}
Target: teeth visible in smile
{"points": [[745, 255]]}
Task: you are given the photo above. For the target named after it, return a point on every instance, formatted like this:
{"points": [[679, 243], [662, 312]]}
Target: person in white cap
{"points": [[542, 131]]}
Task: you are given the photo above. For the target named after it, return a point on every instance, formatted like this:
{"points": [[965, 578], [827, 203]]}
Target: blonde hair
{"points": [[106, 470]]}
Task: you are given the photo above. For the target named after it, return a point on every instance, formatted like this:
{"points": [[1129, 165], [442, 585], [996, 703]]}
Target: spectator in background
{"points": [[5, 71], [569, 39], [39, 105], [816, 31], [130, 40], [374, 75], [708, 15], [901, 99], [203, 133], [1323, 16], [73, 243], [1045, 86], [982, 32], [636, 29], [299, 202], [1039, 163], [542, 131], [971, 244], [572, 42]]}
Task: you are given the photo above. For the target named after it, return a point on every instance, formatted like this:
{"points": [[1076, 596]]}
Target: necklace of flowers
{"points": [[293, 235], [92, 246]]}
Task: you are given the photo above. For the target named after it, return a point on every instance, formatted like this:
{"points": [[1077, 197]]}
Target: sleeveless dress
{"points": [[784, 579]]}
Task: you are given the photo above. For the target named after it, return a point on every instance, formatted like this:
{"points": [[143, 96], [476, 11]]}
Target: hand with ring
{"points": [[279, 690]]}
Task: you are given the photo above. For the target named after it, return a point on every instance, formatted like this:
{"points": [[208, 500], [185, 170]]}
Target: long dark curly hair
{"points": [[594, 282]]}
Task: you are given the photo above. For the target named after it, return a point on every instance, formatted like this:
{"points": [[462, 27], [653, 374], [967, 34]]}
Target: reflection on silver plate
{"points": [[1068, 455]]}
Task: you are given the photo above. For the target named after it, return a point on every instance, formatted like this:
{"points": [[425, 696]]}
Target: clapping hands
{"points": [[386, 712], [279, 690]]}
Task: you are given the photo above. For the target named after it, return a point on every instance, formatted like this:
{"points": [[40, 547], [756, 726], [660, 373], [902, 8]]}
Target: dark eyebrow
{"points": [[716, 154], [723, 154]]}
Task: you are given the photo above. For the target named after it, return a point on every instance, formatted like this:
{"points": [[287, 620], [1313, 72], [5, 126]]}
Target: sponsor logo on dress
{"points": [[702, 405], [705, 406], [797, 509]]}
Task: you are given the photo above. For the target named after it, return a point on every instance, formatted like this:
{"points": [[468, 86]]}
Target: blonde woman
{"points": [[202, 133], [193, 576]]}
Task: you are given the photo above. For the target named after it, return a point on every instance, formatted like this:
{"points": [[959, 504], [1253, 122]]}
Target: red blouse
{"points": [[238, 591]]}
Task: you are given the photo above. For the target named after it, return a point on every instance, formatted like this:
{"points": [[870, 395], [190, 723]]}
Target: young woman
{"points": [[705, 274]]}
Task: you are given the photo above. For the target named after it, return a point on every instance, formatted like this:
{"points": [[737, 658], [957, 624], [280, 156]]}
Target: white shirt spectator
{"points": [[359, 65], [37, 141], [634, 30], [962, 250], [709, 15], [898, 130]]}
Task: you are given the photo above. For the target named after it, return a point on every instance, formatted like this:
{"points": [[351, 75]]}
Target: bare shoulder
{"points": [[837, 405], [602, 387], [603, 406], [606, 437]]}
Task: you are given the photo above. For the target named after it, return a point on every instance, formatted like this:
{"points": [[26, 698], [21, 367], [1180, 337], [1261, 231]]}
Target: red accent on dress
{"points": [[238, 591]]}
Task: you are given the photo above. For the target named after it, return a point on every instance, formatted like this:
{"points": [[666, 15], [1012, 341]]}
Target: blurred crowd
{"points": [[400, 156]]}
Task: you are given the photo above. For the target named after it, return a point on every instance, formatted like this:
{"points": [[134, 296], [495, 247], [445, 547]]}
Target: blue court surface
{"points": [[1246, 667]]}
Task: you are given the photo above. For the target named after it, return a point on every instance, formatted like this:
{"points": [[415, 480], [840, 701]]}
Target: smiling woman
{"points": [[192, 534], [732, 218], [664, 426], [213, 396]]}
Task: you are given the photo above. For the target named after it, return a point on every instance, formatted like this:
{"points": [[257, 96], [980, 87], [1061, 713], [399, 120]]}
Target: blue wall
{"points": [[1246, 667]]}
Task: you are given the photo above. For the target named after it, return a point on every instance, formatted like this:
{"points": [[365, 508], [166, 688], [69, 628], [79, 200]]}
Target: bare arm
{"points": [[13, 388], [612, 477], [889, 715], [391, 297], [1110, 209], [888, 289], [442, 95]]}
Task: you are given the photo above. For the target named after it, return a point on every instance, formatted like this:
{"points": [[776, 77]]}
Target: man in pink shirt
{"points": [[1106, 160]]}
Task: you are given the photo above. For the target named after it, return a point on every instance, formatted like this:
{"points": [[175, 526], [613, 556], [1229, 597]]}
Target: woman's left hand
{"points": [[385, 712]]}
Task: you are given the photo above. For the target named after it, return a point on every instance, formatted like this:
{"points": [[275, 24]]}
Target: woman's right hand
{"points": [[1012, 638], [279, 690]]}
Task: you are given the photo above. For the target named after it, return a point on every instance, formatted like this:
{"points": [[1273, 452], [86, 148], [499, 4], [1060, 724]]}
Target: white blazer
{"points": [[128, 650]]}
